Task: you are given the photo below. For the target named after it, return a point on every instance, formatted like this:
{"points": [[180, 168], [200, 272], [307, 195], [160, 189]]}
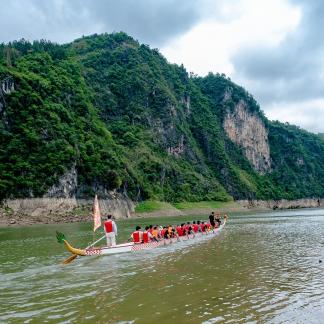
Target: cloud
{"points": [[309, 112], [287, 79], [272, 48], [210, 44], [34, 19], [152, 22]]}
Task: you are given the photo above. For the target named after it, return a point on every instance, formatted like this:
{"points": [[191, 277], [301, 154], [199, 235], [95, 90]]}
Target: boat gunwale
{"points": [[134, 247]]}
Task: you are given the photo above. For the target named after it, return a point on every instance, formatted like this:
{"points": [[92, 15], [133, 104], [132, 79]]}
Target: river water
{"points": [[263, 267]]}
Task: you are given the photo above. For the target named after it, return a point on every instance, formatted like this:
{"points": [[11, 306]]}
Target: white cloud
{"points": [[308, 114], [272, 48], [210, 45]]}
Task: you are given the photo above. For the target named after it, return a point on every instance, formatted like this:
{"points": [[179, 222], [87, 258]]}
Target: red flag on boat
{"points": [[96, 214]]}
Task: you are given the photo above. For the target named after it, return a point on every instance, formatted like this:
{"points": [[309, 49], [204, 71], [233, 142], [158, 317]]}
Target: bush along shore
{"points": [[19, 212]]}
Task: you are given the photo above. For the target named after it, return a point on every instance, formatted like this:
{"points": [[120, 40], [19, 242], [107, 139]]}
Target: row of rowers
{"points": [[156, 233]]}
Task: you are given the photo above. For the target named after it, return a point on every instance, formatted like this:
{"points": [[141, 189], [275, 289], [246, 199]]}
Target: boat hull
{"points": [[132, 247]]}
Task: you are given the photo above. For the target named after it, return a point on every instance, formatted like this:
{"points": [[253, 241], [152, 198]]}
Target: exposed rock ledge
{"points": [[282, 204], [248, 131], [65, 210], [60, 210]]}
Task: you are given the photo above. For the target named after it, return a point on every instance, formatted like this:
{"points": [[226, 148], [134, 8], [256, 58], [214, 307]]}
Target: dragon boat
{"points": [[134, 247]]}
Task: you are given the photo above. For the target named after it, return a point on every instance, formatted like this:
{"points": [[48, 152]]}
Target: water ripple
{"points": [[262, 268]]}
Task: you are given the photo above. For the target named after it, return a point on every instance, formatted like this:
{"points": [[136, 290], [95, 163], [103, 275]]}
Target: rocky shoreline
{"points": [[18, 212], [60, 210]]}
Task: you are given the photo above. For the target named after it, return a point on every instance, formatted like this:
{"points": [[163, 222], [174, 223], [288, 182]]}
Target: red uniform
{"points": [[108, 226], [146, 237], [202, 227], [137, 237], [179, 230], [196, 228]]}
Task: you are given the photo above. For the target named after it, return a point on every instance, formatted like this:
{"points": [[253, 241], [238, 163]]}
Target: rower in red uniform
{"points": [[110, 231], [179, 230], [199, 226], [184, 231], [208, 227], [203, 227], [195, 227], [164, 232], [147, 235], [187, 227], [137, 236]]}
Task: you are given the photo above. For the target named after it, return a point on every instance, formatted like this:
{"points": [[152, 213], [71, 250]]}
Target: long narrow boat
{"points": [[134, 247]]}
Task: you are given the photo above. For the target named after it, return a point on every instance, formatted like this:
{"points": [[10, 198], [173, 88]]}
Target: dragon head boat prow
{"points": [[61, 239]]}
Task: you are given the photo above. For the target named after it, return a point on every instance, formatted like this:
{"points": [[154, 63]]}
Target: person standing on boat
{"points": [[212, 219], [218, 219], [110, 230]]}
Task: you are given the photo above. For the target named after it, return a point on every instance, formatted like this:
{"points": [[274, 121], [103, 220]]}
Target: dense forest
{"points": [[123, 118]]}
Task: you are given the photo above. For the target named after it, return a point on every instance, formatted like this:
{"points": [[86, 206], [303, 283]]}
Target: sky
{"points": [[274, 49]]}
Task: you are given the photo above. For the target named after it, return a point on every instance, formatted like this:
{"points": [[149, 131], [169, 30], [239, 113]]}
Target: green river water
{"points": [[261, 268]]}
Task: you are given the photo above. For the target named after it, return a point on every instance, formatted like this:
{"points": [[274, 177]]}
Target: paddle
{"points": [[95, 242], [70, 259]]}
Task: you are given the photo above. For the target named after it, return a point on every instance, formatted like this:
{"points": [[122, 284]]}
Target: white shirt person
{"points": [[110, 228]]}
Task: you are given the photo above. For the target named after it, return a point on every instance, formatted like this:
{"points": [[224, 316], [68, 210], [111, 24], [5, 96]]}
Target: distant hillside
{"points": [[106, 113]]}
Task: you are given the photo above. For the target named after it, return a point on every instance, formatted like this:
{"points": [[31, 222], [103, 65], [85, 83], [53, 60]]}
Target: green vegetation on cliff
{"points": [[123, 118]]}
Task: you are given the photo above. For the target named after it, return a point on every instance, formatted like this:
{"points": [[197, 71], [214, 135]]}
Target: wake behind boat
{"points": [[134, 247]]}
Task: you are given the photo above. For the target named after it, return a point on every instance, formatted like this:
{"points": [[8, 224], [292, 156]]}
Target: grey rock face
{"points": [[66, 186], [248, 131], [7, 85], [283, 203], [68, 209]]}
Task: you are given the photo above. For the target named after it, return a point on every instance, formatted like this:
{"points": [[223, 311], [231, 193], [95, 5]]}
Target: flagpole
{"points": [[93, 238], [96, 217]]}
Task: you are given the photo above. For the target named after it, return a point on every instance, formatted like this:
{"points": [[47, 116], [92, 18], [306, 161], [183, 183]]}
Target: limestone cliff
{"points": [[7, 86], [248, 131], [66, 186]]}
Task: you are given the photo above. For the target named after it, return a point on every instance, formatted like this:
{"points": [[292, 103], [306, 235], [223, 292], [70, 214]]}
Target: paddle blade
{"points": [[70, 259]]}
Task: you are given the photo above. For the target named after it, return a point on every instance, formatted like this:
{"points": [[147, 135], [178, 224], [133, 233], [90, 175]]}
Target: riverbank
{"points": [[31, 211]]}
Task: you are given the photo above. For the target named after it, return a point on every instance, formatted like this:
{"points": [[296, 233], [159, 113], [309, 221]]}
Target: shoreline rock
{"points": [[18, 212], [283, 203], [60, 210]]}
